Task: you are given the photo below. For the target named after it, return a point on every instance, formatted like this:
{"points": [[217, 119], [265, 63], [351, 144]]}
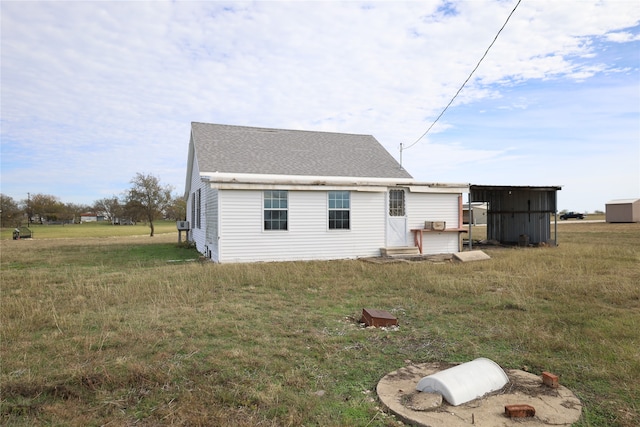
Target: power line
{"points": [[465, 82]]}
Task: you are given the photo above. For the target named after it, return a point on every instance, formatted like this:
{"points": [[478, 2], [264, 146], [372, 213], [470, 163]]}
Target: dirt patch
{"points": [[20, 399], [439, 258], [32, 391]]}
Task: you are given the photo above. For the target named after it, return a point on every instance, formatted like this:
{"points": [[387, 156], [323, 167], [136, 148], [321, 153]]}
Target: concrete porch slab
{"points": [[470, 256]]}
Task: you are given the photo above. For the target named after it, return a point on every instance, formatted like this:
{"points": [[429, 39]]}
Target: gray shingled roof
{"points": [[240, 149]]}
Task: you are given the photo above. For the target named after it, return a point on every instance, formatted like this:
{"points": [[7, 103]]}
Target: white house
{"points": [[256, 194], [91, 217]]}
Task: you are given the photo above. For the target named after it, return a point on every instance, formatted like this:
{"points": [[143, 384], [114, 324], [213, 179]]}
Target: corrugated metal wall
{"points": [[517, 212]]}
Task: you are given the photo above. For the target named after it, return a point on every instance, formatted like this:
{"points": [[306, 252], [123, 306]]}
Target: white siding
{"points": [[423, 207], [197, 235], [242, 238], [211, 223]]}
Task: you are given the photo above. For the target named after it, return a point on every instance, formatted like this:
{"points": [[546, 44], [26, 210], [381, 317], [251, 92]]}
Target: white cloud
{"points": [[622, 37]]}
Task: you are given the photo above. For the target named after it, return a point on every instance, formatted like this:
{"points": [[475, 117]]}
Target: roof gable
{"points": [[250, 150]]}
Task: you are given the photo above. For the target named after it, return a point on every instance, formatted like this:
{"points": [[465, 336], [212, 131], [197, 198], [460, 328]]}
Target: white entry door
{"points": [[396, 218]]}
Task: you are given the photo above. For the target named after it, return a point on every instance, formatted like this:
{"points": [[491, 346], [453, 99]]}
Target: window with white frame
{"points": [[275, 209], [339, 210]]}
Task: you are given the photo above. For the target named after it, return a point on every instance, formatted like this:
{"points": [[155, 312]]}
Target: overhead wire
{"points": [[465, 82]]}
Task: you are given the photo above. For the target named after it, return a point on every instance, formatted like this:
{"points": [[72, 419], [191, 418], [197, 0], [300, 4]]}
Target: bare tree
{"points": [[72, 212], [177, 208], [132, 212], [10, 213], [149, 196], [45, 206], [110, 206]]}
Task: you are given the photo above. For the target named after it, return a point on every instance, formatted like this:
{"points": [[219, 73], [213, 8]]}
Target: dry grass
{"points": [[106, 332]]}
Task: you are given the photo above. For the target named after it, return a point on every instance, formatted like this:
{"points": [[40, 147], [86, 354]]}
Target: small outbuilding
{"points": [[475, 213], [91, 217], [623, 210], [518, 214]]}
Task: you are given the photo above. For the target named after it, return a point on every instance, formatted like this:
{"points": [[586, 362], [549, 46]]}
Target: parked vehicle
{"points": [[568, 215]]}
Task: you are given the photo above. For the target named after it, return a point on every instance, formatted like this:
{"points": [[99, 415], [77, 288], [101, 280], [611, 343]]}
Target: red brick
{"points": [[519, 411], [378, 318], [550, 380]]}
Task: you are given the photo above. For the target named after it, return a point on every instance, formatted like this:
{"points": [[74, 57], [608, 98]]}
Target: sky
{"points": [[93, 92]]}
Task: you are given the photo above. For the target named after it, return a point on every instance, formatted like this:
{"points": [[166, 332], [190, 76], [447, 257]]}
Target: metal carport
{"points": [[518, 214]]}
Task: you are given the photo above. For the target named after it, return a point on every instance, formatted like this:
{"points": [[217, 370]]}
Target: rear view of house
{"points": [[256, 194]]}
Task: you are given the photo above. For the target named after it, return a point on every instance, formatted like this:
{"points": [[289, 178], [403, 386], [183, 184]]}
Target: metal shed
{"points": [[623, 210], [518, 214]]}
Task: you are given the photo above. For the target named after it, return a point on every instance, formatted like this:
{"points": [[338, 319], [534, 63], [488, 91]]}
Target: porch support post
{"points": [[460, 221], [470, 222]]}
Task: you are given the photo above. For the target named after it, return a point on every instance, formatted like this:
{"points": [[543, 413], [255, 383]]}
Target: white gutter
{"points": [[249, 178], [225, 180], [433, 187]]}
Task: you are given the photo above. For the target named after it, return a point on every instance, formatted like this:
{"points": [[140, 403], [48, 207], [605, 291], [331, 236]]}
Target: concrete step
{"points": [[400, 251]]}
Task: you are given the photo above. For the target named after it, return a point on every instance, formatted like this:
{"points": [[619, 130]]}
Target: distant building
{"points": [[91, 217], [122, 221], [477, 213], [623, 210]]}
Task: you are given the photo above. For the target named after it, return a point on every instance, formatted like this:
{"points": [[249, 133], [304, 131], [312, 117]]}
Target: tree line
{"points": [[146, 201]]}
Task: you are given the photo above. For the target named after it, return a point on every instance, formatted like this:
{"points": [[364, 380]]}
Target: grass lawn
{"points": [[93, 229], [130, 330]]}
